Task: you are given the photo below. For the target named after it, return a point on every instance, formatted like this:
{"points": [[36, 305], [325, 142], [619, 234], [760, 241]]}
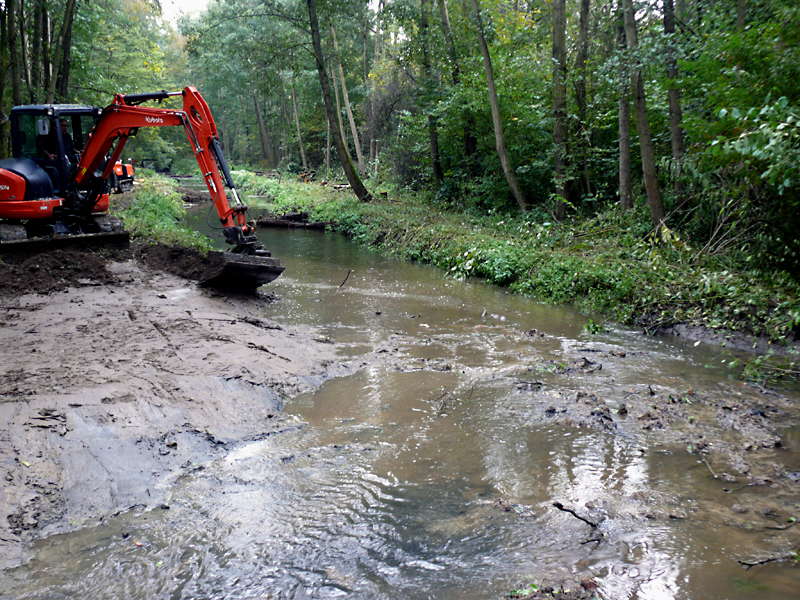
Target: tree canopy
{"points": [[490, 105]]}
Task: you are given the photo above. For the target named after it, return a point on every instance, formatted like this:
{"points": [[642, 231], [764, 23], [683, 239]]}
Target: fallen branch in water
{"points": [[703, 458], [560, 506], [346, 276], [764, 561], [590, 540]]}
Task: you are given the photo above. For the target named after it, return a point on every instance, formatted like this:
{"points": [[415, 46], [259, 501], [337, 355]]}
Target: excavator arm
{"points": [[124, 116], [246, 265]]}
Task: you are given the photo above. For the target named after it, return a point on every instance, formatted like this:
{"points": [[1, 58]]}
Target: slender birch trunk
{"points": [[263, 134], [625, 190], [642, 124], [497, 121], [348, 108], [69, 13], [675, 113], [433, 131], [560, 130], [297, 124], [470, 141], [344, 157]]}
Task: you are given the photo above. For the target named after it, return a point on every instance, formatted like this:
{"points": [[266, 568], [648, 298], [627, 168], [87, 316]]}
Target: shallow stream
{"points": [[432, 471]]}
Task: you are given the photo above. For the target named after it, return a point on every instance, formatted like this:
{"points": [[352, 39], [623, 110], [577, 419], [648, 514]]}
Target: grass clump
{"points": [[155, 212]]}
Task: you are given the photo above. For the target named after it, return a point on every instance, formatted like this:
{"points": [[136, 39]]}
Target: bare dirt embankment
{"points": [[118, 377]]}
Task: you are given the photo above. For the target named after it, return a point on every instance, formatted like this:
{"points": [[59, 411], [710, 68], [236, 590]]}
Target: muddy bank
{"points": [[119, 377], [194, 195]]}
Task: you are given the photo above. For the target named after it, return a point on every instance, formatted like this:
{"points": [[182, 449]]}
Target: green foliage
{"points": [[742, 90], [156, 212], [523, 592]]}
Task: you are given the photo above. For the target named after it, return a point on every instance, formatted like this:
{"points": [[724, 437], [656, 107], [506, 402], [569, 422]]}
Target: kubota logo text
{"points": [[154, 119]]}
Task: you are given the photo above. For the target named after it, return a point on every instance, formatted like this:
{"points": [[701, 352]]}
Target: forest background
{"points": [[668, 129]]}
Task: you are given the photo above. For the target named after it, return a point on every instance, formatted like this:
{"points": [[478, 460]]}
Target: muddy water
{"points": [[431, 472]]}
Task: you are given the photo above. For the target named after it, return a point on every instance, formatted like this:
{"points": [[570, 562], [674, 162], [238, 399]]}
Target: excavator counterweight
{"points": [[54, 191]]}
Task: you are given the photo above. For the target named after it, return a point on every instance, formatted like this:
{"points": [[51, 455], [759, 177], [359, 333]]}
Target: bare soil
{"points": [[120, 374], [194, 195]]}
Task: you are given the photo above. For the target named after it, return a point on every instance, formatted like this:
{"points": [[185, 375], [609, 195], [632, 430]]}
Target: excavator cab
{"points": [[52, 136]]}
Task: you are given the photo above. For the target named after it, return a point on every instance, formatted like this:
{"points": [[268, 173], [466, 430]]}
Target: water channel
{"points": [[431, 472]]}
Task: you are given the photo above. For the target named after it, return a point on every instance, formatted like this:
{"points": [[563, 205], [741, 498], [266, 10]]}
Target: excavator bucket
{"points": [[241, 272]]}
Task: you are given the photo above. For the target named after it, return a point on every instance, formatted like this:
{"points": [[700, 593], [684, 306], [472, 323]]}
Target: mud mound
{"points": [[57, 270], [194, 195], [183, 262]]}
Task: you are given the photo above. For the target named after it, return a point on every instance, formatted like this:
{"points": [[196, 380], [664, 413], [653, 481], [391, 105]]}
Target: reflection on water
{"points": [[422, 475]]}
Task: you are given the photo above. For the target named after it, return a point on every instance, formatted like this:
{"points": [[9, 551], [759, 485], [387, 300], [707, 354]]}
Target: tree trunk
{"points": [[23, 45], [4, 153], [69, 13], [741, 5], [263, 135], [560, 106], [497, 121], [297, 124], [342, 132], [63, 87], [642, 124], [327, 146], [352, 176], [470, 141], [433, 131], [581, 69], [13, 45], [46, 47], [36, 51], [675, 113], [625, 190], [373, 133], [348, 108], [365, 53], [285, 125]]}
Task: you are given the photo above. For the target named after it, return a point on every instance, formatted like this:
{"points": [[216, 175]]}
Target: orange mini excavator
{"points": [[54, 191], [122, 178]]}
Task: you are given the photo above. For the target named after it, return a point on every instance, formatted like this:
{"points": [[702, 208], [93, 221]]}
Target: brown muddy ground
{"points": [[194, 195], [118, 376]]}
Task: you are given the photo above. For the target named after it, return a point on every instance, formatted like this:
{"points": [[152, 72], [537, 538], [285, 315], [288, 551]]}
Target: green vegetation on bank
{"points": [[607, 264], [154, 211]]}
